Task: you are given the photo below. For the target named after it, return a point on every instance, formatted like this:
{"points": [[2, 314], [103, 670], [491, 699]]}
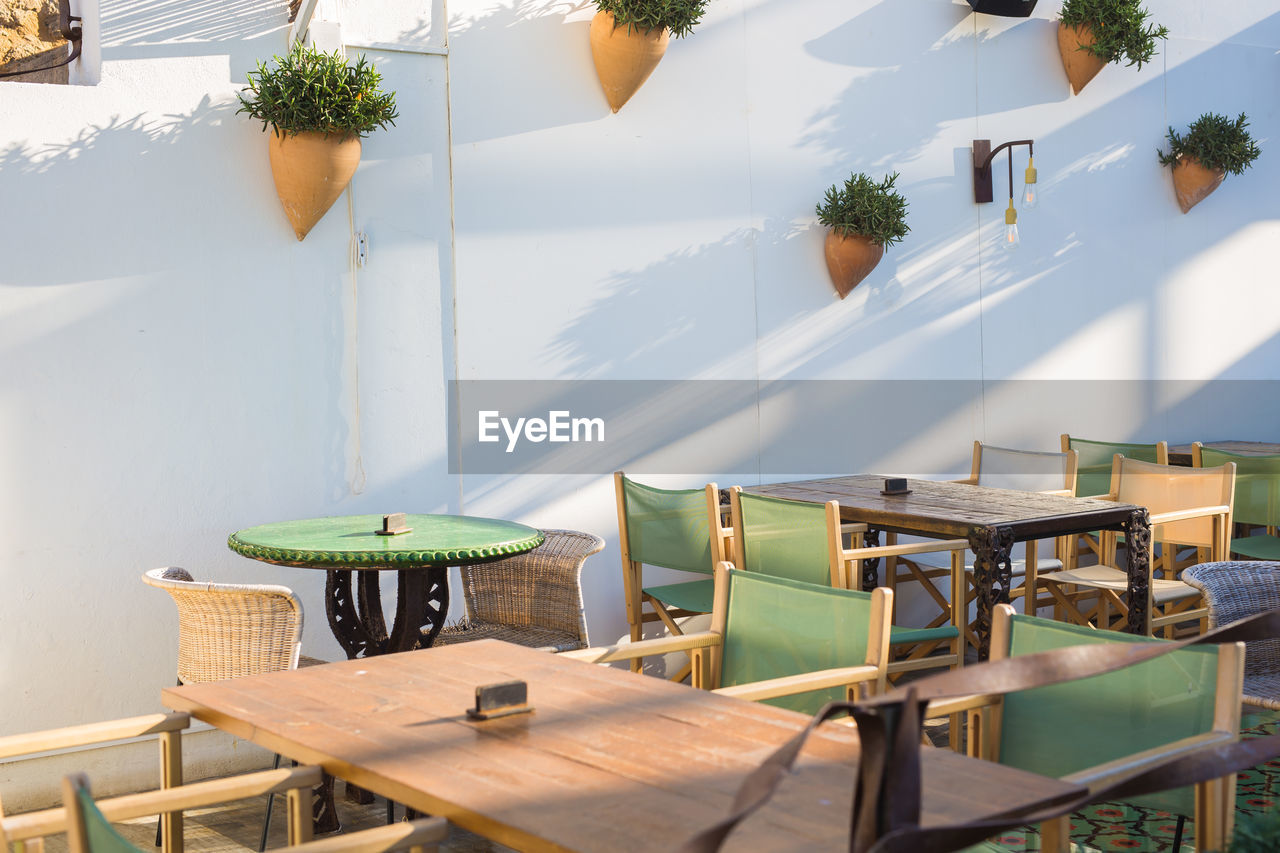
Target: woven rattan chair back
{"points": [[231, 630], [1235, 591], [533, 599]]}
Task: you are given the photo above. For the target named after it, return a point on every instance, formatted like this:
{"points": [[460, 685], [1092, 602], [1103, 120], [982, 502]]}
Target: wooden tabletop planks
{"points": [[609, 760], [951, 509]]}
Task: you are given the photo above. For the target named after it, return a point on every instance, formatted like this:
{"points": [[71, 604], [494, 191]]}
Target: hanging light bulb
{"points": [[1010, 228], [1030, 195]]}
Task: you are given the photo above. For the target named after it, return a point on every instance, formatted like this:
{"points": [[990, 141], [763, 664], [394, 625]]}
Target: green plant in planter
{"points": [[1119, 29], [862, 206], [1213, 147], [678, 16], [318, 106], [309, 90], [863, 217], [1216, 142]]}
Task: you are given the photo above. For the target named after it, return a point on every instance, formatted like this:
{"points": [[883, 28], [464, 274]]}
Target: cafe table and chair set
{"points": [[510, 725]]}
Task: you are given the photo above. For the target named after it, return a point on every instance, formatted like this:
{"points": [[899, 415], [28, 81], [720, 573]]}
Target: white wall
{"points": [[177, 367]]}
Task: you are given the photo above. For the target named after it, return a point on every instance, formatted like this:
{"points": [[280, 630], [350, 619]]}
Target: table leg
{"points": [[340, 605], [992, 577], [870, 568], [421, 608], [369, 608], [1137, 546]]}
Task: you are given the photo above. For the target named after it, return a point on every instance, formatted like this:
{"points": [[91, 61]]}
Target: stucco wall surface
{"points": [[177, 366]]}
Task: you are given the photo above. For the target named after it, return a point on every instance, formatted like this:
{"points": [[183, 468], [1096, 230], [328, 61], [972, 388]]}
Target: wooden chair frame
{"points": [[1177, 611], [1061, 544], [1215, 799], [1089, 541], [168, 729], [706, 648], [296, 783], [633, 572], [1273, 498]]}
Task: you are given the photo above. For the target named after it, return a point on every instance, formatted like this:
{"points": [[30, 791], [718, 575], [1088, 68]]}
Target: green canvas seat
{"points": [[673, 529], [765, 628], [1257, 498], [1070, 729], [799, 541]]}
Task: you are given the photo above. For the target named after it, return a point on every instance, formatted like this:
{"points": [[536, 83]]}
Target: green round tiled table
{"points": [[350, 545]]}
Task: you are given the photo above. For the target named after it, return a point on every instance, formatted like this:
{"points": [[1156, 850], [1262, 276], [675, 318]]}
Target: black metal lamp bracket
{"points": [[982, 156]]}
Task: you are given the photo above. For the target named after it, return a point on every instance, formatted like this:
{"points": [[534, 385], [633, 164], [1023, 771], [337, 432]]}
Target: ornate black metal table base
{"points": [[870, 568], [422, 602], [992, 577], [1137, 539]]}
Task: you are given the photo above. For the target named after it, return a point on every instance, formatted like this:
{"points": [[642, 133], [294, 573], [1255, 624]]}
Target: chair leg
{"points": [[266, 821], [1177, 833]]}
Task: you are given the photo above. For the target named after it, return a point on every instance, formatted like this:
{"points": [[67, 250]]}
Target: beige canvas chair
{"points": [[167, 728], [88, 825], [1020, 470], [531, 599], [1093, 478], [1189, 507], [786, 642], [1095, 731], [678, 529]]}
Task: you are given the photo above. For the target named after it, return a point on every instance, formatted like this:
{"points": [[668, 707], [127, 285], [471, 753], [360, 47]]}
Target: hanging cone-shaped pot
{"points": [[311, 170], [624, 56], [1081, 65], [850, 260], [1192, 182]]}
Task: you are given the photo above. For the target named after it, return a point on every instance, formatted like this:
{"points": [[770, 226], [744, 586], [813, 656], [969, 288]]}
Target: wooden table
{"points": [[991, 519], [1180, 454], [421, 559], [608, 761]]}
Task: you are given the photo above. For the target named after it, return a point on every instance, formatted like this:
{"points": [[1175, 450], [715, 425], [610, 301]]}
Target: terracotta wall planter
{"points": [[311, 170], [850, 260], [1192, 182], [1081, 65], [624, 56]]}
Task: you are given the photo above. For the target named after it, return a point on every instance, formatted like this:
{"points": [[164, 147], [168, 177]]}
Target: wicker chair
{"points": [[228, 630], [532, 599], [231, 630], [1234, 591]]}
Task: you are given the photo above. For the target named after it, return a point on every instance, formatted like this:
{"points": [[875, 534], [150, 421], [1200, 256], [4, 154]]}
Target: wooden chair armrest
{"points": [[910, 548], [853, 527], [180, 798], [645, 648], [788, 685], [1065, 493], [955, 704], [33, 742], [1114, 771], [1184, 514], [427, 831]]}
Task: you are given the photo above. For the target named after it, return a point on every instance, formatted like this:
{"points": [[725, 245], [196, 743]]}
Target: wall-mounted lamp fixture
{"points": [[983, 191], [1004, 8]]}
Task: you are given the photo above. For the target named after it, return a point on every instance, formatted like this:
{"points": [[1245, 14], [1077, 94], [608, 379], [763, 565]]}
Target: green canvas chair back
{"points": [[777, 627], [667, 527], [1093, 475], [1065, 728], [1257, 494], [782, 538], [99, 835]]}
